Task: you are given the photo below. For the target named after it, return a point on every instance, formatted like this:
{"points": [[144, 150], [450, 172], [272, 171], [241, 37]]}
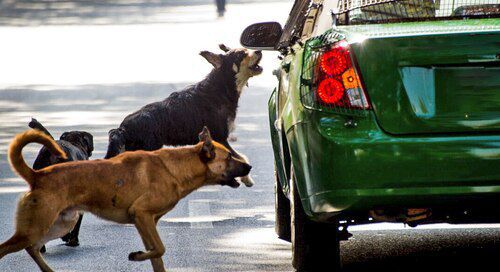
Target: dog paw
{"points": [[73, 242], [66, 237], [133, 256]]}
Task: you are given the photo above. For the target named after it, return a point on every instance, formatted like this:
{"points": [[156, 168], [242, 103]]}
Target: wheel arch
{"points": [[279, 144], [297, 162]]}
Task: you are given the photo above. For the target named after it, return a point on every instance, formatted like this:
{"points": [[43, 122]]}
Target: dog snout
{"points": [[258, 53], [246, 169]]}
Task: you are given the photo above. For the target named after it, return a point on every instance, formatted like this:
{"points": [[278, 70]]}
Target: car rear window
{"points": [[353, 12]]}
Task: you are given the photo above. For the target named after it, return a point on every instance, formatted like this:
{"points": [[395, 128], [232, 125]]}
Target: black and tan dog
{"points": [[212, 102], [132, 188], [77, 145]]}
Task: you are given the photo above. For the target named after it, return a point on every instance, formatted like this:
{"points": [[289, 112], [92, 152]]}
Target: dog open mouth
{"points": [[256, 67], [231, 183]]}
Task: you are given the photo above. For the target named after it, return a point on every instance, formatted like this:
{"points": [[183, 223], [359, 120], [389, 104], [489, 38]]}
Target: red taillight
{"points": [[335, 61], [330, 90], [338, 83]]}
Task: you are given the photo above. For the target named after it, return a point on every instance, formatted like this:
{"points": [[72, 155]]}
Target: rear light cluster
{"points": [[336, 82]]}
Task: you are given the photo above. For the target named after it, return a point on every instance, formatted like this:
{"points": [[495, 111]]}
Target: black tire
{"points": [[282, 212], [315, 246]]}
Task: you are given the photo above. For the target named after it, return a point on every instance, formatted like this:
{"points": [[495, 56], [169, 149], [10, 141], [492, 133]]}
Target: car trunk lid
{"points": [[432, 82]]}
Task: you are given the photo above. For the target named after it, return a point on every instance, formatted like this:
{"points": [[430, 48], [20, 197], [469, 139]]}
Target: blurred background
{"points": [[108, 42], [86, 64]]}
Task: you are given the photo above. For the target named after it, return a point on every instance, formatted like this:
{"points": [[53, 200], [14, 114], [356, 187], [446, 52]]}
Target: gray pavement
{"points": [[74, 77], [215, 228]]}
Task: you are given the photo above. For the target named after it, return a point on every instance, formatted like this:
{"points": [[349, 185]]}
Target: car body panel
{"points": [[343, 165], [340, 168], [452, 90]]}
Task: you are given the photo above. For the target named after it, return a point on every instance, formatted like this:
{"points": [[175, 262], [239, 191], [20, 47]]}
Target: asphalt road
{"points": [[90, 76], [215, 228]]}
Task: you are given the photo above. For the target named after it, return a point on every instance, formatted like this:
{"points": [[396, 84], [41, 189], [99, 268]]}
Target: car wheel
{"points": [[315, 246], [282, 212]]}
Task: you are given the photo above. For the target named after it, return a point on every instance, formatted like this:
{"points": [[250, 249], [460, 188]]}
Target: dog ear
{"points": [[204, 135], [224, 48], [64, 136], [89, 140], [214, 59], [207, 152]]}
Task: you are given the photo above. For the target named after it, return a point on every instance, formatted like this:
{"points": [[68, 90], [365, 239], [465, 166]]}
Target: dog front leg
{"points": [[157, 263], [247, 180], [155, 249]]}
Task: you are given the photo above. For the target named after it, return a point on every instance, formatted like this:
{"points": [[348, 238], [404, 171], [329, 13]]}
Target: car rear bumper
{"points": [[341, 168]]}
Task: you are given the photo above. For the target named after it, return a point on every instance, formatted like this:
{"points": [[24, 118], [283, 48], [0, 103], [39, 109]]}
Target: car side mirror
{"points": [[261, 36]]}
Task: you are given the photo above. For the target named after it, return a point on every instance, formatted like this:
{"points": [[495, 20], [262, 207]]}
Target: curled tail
{"points": [[20, 141], [116, 143]]}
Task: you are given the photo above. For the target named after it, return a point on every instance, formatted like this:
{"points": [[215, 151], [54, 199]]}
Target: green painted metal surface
{"points": [[443, 83], [342, 168], [346, 164]]}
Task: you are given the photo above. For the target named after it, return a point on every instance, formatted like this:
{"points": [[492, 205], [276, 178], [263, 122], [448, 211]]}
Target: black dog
{"points": [[78, 145], [177, 120]]}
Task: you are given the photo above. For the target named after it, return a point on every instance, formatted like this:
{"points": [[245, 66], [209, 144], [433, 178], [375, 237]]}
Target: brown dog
{"points": [[135, 187]]}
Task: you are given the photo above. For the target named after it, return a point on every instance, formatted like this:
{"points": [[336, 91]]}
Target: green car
{"points": [[385, 111]]}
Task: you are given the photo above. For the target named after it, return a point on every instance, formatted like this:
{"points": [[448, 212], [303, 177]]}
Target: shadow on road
{"points": [[462, 260], [423, 250], [92, 108]]}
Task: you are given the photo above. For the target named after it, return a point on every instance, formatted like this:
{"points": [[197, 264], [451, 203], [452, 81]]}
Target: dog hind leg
{"points": [[34, 252], [16, 243], [33, 220], [25, 235], [71, 238]]}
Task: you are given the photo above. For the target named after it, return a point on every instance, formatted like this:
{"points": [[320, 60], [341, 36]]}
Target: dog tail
{"points": [[116, 143], [37, 125], [20, 141]]}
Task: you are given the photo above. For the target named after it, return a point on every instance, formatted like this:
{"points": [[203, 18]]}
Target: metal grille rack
{"points": [[314, 49], [352, 12]]}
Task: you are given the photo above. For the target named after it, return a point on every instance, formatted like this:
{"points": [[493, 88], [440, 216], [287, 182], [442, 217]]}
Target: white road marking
{"points": [[13, 189], [200, 208]]}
